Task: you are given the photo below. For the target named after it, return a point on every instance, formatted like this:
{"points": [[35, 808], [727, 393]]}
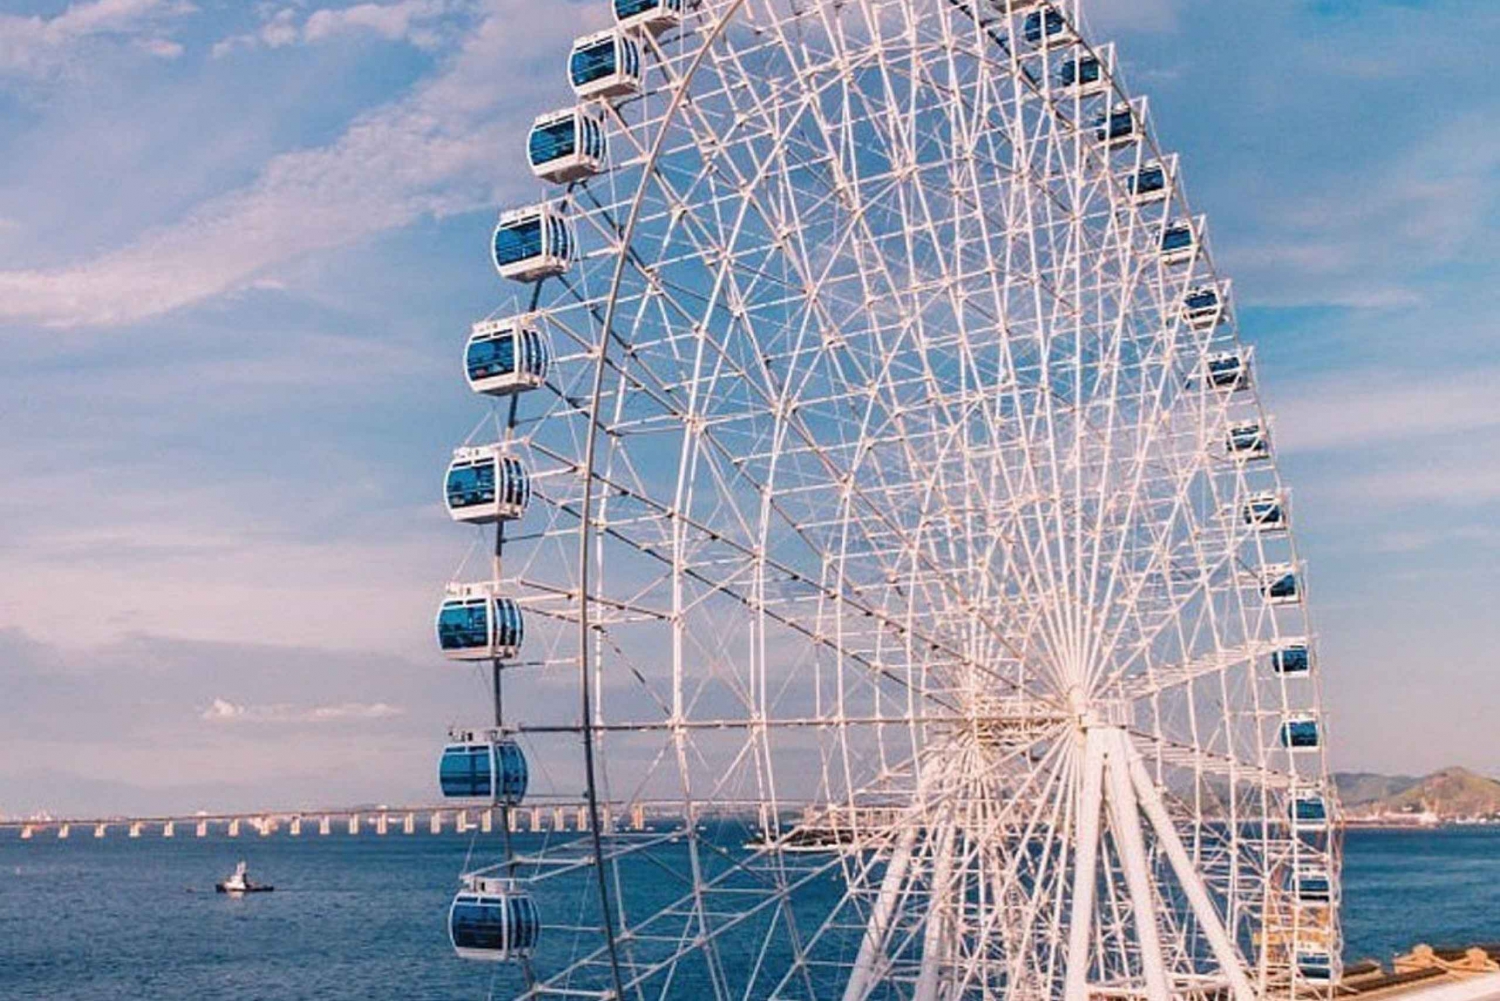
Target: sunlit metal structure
{"points": [[902, 504]]}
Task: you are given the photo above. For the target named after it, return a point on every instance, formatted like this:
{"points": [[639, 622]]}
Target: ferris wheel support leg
{"points": [[940, 918], [1085, 869], [877, 929], [1192, 884], [1125, 820]]}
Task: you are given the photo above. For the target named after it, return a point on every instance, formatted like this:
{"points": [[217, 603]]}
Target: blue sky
{"points": [[240, 244]]}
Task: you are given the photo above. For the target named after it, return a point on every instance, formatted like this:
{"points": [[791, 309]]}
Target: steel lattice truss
{"points": [[919, 509]]}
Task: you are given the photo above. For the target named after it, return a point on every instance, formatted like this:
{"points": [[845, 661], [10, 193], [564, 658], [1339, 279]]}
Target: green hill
{"points": [[1452, 792], [1361, 788]]}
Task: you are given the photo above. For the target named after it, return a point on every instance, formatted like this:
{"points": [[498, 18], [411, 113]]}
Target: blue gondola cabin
{"points": [[483, 765], [652, 15], [532, 243], [1117, 128], [1317, 966], [1309, 813], [1227, 371], [485, 485], [506, 356], [1292, 659], [493, 920], [1279, 585], [474, 624], [1151, 183], [1203, 307], [1301, 733], [1084, 75], [606, 64], [1311, 884], [1179, 243], [1246, 442], [566, 146], [1265, 513], [1047, 27]]}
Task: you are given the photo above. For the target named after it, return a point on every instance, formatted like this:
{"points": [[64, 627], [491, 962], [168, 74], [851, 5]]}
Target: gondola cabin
{"points": [[493, 920], [1082, 76], [474, 624], [1047, 27], [653, 15], [1116, 128], [1151, 183], [483, 765], [1203, 307], [506, 356], [566, 145], [1292, 659], [606, 64], [1311, 884], [1279, 584], [1301, 733], [1265, 513], [532, 243], [1179, 243], [1246, 442], [1315, 966], [484, 485], [1309, 813], [1227, 371]]}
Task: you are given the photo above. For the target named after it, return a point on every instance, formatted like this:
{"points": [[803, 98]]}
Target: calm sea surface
{"points": [[362, 917]]}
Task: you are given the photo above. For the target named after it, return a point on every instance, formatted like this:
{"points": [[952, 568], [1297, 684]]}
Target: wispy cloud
{"points": [[37, 46], [423, 23], [225, 711], [432, 153], [1379, 407]]}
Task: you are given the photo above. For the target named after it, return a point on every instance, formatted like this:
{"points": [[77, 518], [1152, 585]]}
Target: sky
{"points": [[240, 245]]}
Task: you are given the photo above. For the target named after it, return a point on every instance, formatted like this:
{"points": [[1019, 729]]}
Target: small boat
{"points": [[240, 883]]}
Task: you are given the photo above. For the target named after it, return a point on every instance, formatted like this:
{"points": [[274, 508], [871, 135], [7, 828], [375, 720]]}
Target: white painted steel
{"points": [[882, 495]]}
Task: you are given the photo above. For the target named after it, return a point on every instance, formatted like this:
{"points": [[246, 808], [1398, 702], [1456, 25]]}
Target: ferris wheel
{"points": [[876, 498]]}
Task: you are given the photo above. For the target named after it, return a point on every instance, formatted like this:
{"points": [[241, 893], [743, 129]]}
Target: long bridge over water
{"points": [[377, 820]]}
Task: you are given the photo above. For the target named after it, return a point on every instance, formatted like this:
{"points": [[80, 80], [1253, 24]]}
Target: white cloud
{"points": [[279, 30], [433, 152], [1379, 407], [1364, 239], [222, 711], [395, 21], [161, 48], [37, 46], [413, 21]]}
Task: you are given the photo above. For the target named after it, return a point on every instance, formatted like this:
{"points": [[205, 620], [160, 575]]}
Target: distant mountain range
{"points": [[1450, 793]]}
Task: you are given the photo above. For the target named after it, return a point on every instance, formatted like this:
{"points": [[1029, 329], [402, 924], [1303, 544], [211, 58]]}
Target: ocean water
{"points": [[363, 917]]}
